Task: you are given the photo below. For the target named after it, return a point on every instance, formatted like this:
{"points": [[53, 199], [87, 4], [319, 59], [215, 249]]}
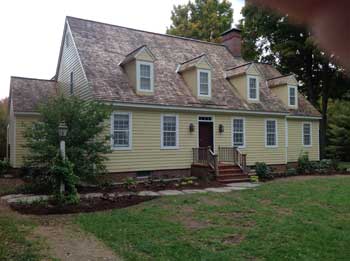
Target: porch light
{"points": [[62, 130], [221, 128], [191, 128]]}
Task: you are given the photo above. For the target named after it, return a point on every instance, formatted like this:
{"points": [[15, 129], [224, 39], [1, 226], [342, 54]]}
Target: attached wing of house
{"points": [[174, 97]]}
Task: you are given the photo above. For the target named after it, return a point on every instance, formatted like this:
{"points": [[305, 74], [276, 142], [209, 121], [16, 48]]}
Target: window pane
{"points": [[145, 70], [121, 138], [121, 133], [204, 83], [271, 137], [292, 96], [307, 134], [121, 122], [169, 131], [238, 132], [252, 88], [145, 83]]}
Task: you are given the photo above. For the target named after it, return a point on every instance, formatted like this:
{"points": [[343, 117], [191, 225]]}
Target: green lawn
{"points": [[281, 220]]}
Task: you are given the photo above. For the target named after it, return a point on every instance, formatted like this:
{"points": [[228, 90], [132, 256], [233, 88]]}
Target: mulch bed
{"points": [[84, 206], [154, 186]]}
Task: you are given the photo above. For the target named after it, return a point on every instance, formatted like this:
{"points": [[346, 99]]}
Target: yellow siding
{"points": [[295, 143], [21, 124], [281, 92], [130, 69], [240, 83], [190, 77]]}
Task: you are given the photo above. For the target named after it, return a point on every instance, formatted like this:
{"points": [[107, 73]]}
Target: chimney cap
{"points": [[231, 30]]}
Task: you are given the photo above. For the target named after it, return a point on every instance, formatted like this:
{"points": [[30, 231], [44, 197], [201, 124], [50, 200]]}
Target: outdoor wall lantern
{"points": [[62, 133], [221, 128], [191, 127]]}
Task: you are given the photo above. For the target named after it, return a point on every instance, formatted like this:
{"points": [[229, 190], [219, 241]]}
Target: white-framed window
{"points": [[307, 134], [121, 130], [238, 132], [253, 88], [271, 133], [204, 83], [292, 96], [169, 131], [144, 75]]}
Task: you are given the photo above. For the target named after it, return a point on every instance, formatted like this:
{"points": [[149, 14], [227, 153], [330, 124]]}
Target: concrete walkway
{"points": [[26, 198]]}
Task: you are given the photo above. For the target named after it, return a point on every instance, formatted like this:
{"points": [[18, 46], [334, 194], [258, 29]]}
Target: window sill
{"points": [[169, 148], [121, 148]]}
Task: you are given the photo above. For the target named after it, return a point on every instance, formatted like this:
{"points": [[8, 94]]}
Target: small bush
{"points": [[254, 178], [323, 166], [291, 172], [304, 164], [4, 167], [130, 184], [263, 171]]}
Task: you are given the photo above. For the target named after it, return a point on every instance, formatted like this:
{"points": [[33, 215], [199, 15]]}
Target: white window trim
{"points": [[302, 132], [296, 96], [244, 132], [161, 132], [276, 122], [198, 83], [138, 76], [130, 131], [257, 88]]}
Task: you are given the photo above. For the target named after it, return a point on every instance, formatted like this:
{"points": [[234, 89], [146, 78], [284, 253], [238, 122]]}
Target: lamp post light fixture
{"points": [[62, 133]]}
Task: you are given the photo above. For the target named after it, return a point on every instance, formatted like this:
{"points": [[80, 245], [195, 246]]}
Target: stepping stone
{"points": [[124, 194], [12, 196], [170, 192], [218, 190], [91, 195], [243, 184], [28, 199], [148, 193], [237, 188], [193, 191]]}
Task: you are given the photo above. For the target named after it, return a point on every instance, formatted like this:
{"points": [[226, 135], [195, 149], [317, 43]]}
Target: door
{"points": [[206, 135]]}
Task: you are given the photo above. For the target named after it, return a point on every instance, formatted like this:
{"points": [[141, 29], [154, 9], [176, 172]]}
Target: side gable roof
{"points": [[26, 94]]}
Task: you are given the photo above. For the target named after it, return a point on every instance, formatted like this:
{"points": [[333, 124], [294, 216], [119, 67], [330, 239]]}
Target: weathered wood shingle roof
{"points": [[27, 94]]}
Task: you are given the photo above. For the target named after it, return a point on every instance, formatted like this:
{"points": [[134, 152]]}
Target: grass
{"points": [[14, 244], [344, 165], [282, 220]]}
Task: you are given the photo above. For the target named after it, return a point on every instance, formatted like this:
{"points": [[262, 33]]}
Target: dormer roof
{"points": [[247, 68], [200, 61], [282, 80], [141, 53]]}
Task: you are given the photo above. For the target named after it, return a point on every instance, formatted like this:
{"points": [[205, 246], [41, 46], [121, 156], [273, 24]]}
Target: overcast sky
{"points": [[32, 29]]}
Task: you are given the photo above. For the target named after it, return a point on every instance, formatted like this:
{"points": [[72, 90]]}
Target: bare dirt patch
{"points": [[234, 239], [186, 218]]}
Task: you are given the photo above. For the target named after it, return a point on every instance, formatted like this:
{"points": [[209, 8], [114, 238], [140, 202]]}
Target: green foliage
{"points": [[291, 172], [201, 19], [4, 166], [254, 178], [263, 171], [86, 146], [324, 166], [304, 164], [130, 184], [339, 131]]}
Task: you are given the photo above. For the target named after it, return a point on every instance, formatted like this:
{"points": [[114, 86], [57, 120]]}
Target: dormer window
{"points": [[292, 96], [144, 76], [253, 88], [204, 83]]}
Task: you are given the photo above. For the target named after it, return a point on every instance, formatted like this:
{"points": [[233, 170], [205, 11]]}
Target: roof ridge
{"points": [[235, 67], [192, 59], [144, 31], [33, 79], [281, 76]]}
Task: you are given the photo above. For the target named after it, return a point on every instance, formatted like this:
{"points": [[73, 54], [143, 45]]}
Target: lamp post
{"points": [[62, 133]]}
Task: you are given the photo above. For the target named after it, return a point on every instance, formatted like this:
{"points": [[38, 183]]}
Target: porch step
{"points": [[235, 180], [230, 171]]}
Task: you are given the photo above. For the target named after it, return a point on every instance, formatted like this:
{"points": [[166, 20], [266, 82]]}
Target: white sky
{"points": [[32, 29]]}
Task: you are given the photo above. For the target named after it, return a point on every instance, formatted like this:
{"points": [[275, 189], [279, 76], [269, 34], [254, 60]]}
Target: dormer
{"points": [[246, 79], [285, 87], [197, 75], [139, 66]]}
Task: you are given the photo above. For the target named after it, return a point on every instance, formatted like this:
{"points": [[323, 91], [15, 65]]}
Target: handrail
{"points": [[233, 154], [206, 156]]}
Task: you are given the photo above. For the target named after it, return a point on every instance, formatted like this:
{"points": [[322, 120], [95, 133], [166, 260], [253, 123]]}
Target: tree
{"points": [[270, 37], [339, 130], [202, 20], [86, 145], [3, 127]]}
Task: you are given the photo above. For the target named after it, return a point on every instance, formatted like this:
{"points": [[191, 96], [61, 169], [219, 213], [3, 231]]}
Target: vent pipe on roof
{"points": [[233, 41]]}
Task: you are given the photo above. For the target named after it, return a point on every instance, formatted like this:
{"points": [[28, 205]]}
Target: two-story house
{"points": [[174, 97]]}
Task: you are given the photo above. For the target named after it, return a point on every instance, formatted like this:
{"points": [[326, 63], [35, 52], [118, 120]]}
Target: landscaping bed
{"points": [[152, 185], [84, 206]]}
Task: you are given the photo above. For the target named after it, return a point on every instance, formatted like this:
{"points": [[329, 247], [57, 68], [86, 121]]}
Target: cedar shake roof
{"points": [[131, 56], [280, 80], [191, 63], [238, 70], [26, 94], [102, 47]]}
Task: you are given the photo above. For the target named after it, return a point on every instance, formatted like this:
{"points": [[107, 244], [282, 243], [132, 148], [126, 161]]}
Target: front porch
{"points": [[228, 165]]}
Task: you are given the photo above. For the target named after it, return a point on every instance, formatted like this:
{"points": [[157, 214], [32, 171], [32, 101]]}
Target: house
{"points": [[174, 97]]}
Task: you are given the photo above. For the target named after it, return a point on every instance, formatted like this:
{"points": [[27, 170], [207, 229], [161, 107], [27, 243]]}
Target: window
{"points": [[169, 131], [238, 132], [292, 96], [204, 83], [145, 76], [307, 134], [121, 130], [271, 133], [253, 88], [71, 83]]}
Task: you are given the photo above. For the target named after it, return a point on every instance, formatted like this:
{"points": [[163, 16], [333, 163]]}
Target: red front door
{"points": [[206, 134]]}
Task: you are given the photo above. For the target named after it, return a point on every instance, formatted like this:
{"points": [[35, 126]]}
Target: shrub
{"points": [[291, 172], [4, 167], [254, 178], [130, 184], [304, 164], [263, 171], [323, 166]]}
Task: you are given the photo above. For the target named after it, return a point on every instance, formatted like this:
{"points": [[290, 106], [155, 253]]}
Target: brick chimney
{"points": [[232, 39]]}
